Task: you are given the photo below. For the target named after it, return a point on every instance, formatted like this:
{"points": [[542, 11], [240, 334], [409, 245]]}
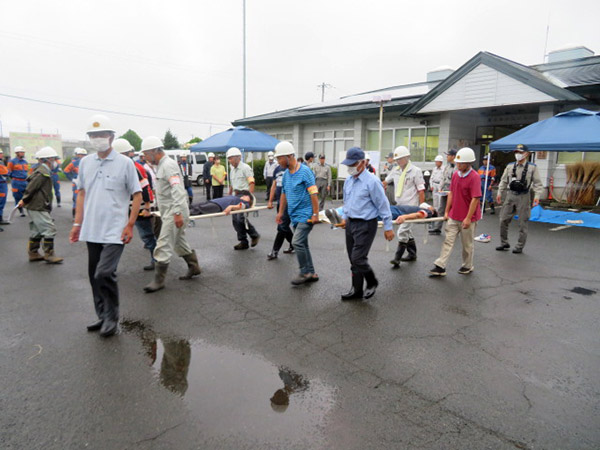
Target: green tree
{"points": [[195, 140], [134, 139], [170, 141]]}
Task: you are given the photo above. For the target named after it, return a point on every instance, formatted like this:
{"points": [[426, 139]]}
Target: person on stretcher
{"points": [[400, 213], [224, 205]]}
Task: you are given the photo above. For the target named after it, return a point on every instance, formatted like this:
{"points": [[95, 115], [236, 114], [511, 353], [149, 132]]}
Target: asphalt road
{"points": [[507, 357]]}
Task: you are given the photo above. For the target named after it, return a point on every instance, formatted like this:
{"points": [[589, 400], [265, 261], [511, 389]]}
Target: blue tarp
{"points": [[590, 220], [573, 131], [244, 138]]}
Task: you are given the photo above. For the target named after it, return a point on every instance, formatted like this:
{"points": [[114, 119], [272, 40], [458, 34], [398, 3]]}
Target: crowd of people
{"points": [[113, 193]]}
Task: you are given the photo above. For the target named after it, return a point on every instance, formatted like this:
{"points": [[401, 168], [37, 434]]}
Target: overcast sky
{"points": [[183, 59]]}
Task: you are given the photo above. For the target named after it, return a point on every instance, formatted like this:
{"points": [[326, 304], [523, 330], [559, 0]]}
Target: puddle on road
{"points": [[237, 394], [582, 291]]}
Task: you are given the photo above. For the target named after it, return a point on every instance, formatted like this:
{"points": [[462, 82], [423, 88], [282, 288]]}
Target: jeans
{"points": [[144, 227], [300, 243]]}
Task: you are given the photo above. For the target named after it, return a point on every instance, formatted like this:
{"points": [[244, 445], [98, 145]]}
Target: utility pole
{"points": [[323, 86], [244, 57]]}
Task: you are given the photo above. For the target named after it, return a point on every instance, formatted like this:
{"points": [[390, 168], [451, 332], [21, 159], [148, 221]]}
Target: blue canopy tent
{"points": [[572, 131], [244, 138]]}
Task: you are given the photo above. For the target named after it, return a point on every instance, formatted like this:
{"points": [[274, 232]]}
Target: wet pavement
{"points": [[504, 358]]}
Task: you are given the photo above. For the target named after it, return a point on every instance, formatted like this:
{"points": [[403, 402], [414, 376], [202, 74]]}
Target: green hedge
{"points": [[259, 167]]}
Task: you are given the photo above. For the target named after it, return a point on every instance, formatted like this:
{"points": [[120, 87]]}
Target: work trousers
{"points": [[56, 185], [103, 260], [3, 192], [439, 203], [404, 232], [300, 243], [243, 227], [41, 225], [284, 232], [467, 235], [217, 191], [360, 235], [171, 240], [269, 181], [519, 204], [18, 189], [390, 193], [207, 188], [146, 231], [322, 186], [197, 209], [75, 192], [488, 194]]}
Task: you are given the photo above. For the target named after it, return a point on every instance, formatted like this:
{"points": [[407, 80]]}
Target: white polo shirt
{"points": [[413, 183]]}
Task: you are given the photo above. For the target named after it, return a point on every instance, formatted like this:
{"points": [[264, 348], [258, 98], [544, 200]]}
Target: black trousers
{"points": [[103, 260], [207, 188], [269, 181], [242, 226], [360, 235], [197, 209], [217, 191]]}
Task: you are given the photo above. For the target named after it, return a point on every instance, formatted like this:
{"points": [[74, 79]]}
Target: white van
{"points": [[195, 161]]}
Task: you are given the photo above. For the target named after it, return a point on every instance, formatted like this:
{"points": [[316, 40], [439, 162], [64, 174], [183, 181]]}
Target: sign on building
{"points": [[32, 142]]}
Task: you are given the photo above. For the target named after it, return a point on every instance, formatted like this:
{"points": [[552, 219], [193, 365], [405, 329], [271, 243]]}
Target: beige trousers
{"points": [[171, 240], [453, 229]]}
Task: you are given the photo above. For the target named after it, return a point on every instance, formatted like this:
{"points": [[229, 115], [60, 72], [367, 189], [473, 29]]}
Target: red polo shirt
{"points": [[464, 189]]}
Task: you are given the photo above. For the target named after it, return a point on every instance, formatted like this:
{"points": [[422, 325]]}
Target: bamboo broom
{"points": [[569, 185], [590, 178]]}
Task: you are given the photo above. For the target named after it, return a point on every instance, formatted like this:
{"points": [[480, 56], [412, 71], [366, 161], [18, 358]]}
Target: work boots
{"points": [[151, 265], [160, 272], [398, 256], [193, 267], [32, 249], [49, 255], [411, 247], [356, 291]]}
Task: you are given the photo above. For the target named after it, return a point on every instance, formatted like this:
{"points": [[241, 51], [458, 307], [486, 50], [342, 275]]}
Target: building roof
{"points": [[559, 80]]}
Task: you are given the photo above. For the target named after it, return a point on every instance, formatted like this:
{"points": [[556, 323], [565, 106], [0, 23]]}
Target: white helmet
{"points": [[19, 149], [401, 152], [46, 152], [211, 155], [233, 151], [270, 154], [465, 155], [151, 143], [439, 158], [284, 148], [122, 146], [80, 151], [98, 122]]}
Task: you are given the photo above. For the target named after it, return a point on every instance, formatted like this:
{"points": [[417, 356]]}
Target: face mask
{"points": [[100, 144], [353, 170], [54, 165], [519, 156]]}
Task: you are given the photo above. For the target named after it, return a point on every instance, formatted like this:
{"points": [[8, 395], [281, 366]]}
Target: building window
{"points": [[284, 137], [330, 143], [575, 157], [422, 142]]}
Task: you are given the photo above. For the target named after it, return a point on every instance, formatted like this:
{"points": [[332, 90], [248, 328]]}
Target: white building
{"points": [[485, 99]]}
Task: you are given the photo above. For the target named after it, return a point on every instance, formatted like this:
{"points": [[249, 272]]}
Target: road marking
{"points": [[562, 227]]}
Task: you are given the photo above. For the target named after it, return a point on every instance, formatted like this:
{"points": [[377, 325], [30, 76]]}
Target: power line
{"points": [[323, 86], [111, 111]]}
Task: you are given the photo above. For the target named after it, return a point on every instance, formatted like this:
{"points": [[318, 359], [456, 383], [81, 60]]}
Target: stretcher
{"points": [[208, 216]]}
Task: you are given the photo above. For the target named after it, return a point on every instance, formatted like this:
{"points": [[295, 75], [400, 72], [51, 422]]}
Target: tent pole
{"points": [[485, 183]]}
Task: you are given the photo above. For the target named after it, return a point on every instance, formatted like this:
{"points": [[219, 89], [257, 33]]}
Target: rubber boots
{"points": [[32, 249], [160, 272], [49, 255], [193, 267], [398, 256], [411, 247], [356, 292]]}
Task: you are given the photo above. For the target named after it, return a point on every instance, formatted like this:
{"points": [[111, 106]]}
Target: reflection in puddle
{"points": [[238, 394]]}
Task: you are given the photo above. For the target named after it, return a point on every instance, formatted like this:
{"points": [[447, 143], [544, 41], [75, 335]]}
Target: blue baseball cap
{"points": [[353, 155]]}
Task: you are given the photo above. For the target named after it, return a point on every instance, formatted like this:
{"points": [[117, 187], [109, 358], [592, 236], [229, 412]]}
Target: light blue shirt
{"points": [[364, 198], [108, 184]]}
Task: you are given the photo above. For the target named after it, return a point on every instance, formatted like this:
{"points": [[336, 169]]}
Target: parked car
{"points": [[195, 161]]}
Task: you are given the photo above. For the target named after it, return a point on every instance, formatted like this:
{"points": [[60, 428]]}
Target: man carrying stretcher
{"points": [[226, 205]]}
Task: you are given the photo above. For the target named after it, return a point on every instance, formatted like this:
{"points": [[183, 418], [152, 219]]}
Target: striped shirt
{"points": [[298, 187]]}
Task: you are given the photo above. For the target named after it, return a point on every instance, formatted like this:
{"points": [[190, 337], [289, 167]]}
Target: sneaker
{"points": [[503, 247], [313, 277], [465, 270], [333, 216], [395, 263], [435, 232], [241, 246], [483, 238], [289, 250], [437, 271], [517, 250], [254, 241], [300, 279], [272, 255]]}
